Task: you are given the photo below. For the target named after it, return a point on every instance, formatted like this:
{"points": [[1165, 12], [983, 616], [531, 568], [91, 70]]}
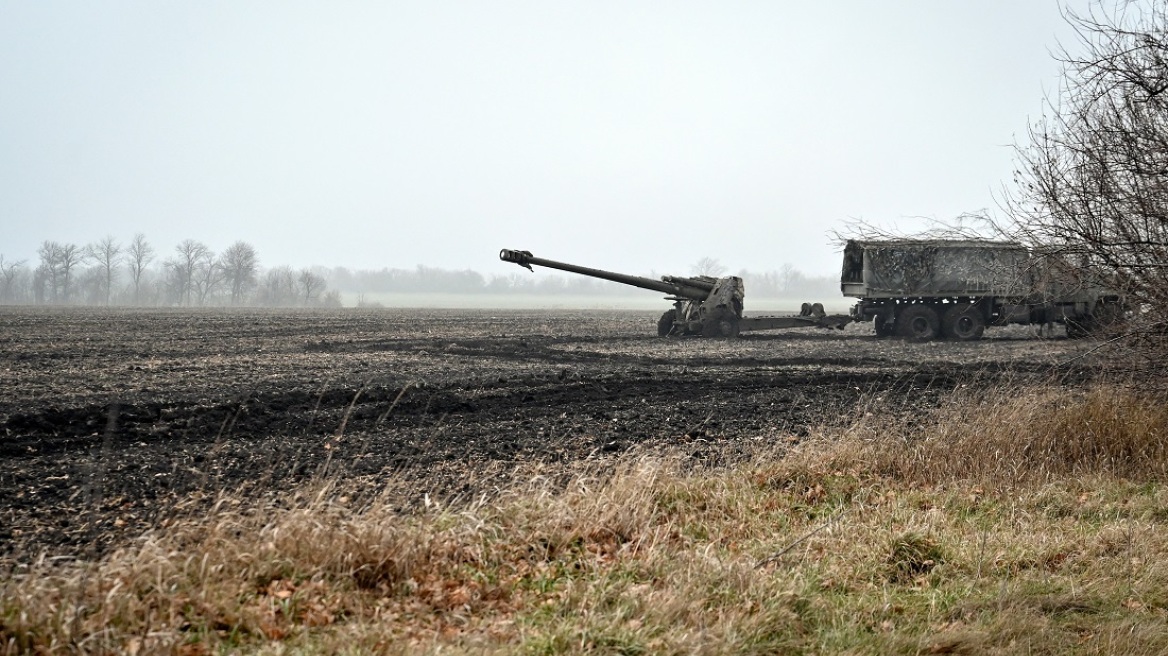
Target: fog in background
{"points": [[636, 136]]}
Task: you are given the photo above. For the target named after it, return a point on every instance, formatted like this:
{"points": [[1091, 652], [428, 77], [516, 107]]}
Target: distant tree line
{"points": [[786, 282], [108, 272]]}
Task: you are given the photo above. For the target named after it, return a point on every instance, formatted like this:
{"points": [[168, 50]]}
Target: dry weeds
{"points": [[1030, 522]]}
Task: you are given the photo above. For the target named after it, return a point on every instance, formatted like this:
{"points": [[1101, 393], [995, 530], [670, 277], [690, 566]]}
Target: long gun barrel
{"points": [[702, 305], [696, 289]]}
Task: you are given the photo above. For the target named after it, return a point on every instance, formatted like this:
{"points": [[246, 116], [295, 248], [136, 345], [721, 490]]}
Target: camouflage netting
{"points": [[939, 268]]}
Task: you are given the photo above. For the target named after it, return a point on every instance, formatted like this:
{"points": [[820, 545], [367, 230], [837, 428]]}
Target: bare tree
{"points": [[708, 266], [48, 272], [279, 287], [10, 272], [788, 277], [70, 257], [207, 277], [240, 266], [56, 270], [105, 254], [139, 254], [183, 267], [1092, 185], [310, 286]]}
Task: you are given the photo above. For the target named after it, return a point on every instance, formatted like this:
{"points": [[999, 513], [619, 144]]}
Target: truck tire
{"points": [[1080, 327], [665, 323], [919, 322], [881, 323], [963, 322], [1104, 316]]}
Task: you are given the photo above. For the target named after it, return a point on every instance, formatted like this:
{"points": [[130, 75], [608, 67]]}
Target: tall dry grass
{"points": [[1007, 437], [1025, 522]]}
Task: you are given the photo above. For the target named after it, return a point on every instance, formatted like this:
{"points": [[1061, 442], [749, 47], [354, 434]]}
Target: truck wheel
{"points": [[883, 327], [963, 322], [918, 322], [1106, 316], [1079, 328], [665, 323]]}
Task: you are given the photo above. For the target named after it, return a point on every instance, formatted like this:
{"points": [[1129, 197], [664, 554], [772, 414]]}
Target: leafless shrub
{"points": [[1092, 184], [971, 226]]}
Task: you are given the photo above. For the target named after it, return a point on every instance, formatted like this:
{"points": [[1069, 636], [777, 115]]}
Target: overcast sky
{"points": [[638, 136]]}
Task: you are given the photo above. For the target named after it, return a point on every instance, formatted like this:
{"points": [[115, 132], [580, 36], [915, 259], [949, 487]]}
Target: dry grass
{"points": [[1029, 523], [1007, 438]]}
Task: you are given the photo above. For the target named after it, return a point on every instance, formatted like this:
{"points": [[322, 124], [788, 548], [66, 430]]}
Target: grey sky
{"points": [[630, 135]]}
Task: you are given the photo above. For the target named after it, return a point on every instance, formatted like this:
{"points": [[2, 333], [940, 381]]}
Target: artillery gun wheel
{"points": [[728, 327], [963, 322], [666, 322], [720, 323], [720, 327], [919, 322]]}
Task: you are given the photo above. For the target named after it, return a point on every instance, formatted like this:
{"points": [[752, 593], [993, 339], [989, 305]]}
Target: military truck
{"points": [[923, 289]]}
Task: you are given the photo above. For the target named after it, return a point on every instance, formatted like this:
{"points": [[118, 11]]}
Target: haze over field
{"points": [[621, 135]]}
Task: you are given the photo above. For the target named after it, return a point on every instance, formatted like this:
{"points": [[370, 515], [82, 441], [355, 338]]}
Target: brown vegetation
{"points": [[1027, 523]]}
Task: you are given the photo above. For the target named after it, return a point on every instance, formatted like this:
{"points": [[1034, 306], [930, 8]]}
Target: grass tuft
{"points": [[913, 555]]}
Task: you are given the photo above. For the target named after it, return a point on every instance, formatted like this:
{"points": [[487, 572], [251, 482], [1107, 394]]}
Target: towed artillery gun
{"points": [[702, 305]]}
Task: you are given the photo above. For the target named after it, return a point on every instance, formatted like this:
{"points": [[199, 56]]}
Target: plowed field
{"points": [[109, 419]]}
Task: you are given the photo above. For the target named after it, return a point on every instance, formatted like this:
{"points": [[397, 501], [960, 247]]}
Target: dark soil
{"points": [[108, 419]]}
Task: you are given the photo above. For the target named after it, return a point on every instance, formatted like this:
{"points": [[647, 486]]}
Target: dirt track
{"points": [[109, 418]]}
